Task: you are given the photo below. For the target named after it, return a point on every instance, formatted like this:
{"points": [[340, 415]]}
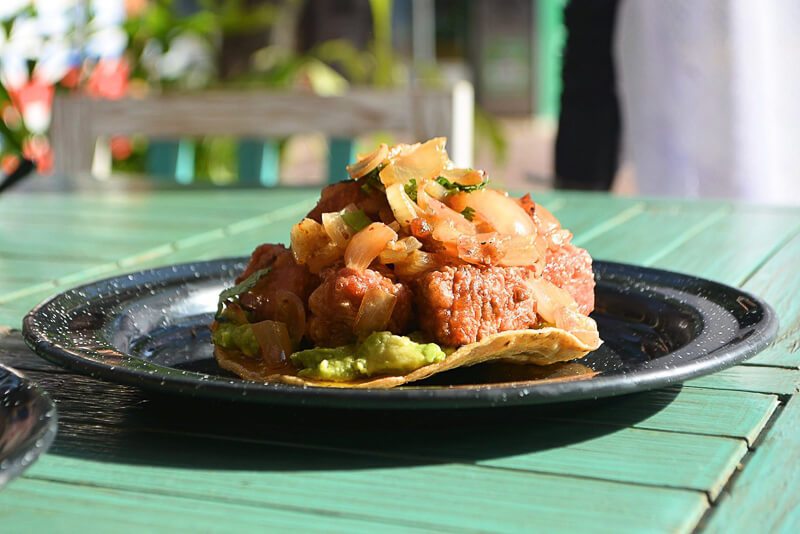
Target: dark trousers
{"points": [[587, 145]]}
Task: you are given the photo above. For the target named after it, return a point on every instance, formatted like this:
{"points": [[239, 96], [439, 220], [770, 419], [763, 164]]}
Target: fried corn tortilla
{"points": [[541, 346]]}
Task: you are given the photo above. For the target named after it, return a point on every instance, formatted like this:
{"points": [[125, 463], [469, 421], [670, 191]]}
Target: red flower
{"points": [[72, 78], [9, 163], [121, 147], [37, 149], [109, 79], [34, 100]]}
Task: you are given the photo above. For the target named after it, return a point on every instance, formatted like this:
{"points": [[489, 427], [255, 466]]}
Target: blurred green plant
{"points": [[172, 50]]}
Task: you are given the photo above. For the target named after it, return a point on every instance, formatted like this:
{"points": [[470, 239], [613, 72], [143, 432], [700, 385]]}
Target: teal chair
{"points": [[256, 119]]}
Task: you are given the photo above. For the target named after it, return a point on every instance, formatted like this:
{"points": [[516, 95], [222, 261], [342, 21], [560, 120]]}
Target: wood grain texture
{"points": [[687, 409], [732, 247], [631, 455], [451, 497], [16, 271], [17, 290], [53, 260], [12, 311], [71, 248], [774, 282], [44, 506], [587, 216], [764, 498], [159, 206], [650, 234], [752, 378]]}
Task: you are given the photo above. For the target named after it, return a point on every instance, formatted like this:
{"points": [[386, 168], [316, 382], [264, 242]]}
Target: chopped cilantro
{"points": [[372, 180], [453, 187], [411, 189], [468, 213], [357, 220], [242, 287]]}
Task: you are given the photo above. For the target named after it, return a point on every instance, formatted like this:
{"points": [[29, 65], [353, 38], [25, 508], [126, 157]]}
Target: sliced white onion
{"points": [[403, 207], [312, 246], [274, 342], [481, 249], [579, 325], [374, 312], [367, 163], [367, 244], [289, 310], [398, 251], [435, 189], [337, 229], [437, 212], [557, 307], [410, 243], [520, 251], [502, 212], [464, 176], [416, 262], [422, 163], [392, 255], [306, 237], [545, 220], [550, 299]]}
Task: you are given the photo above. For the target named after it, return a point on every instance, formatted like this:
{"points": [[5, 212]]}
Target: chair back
{"points": [[256, 119]]}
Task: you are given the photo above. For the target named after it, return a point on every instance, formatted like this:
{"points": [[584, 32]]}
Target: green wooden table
{"points": [[719, 454]]}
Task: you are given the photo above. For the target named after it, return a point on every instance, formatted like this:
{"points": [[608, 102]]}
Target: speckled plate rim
{"points": [[37, 442], [113, 365]]}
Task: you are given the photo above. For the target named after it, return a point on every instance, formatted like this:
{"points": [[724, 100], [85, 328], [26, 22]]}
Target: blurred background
{"points": [[685, 98]]}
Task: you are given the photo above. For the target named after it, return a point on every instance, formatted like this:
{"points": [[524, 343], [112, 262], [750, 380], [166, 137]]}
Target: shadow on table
{"points": [[114, 423], [122, 424]]}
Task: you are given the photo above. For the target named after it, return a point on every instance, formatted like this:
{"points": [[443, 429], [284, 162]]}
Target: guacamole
{"points": [[381, 353], [236, 337]]}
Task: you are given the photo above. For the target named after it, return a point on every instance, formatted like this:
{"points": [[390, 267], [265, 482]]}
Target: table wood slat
{"points": [[752, 378], [693, 410], [585, 449], [589, 216], [644, 457], [764, 498], [650, 234], [210, 243], [731, 248], [234, 204], [456, 497], [45, 506], [26, 271], [773, 282]]}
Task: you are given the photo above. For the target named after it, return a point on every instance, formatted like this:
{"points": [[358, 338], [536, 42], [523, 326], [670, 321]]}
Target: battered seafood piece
{"points": [[411, 268]]}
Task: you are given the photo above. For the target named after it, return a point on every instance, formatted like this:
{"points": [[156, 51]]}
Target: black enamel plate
{"points": [[150, 329], [27, 423]]}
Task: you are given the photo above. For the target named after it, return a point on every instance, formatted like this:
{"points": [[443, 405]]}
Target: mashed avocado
{"points": [[236, 337], [381, 353]]}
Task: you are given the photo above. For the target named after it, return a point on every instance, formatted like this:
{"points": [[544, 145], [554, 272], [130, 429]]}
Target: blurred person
{"points": [[588, 138], [709, 92], [706, 91]]}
